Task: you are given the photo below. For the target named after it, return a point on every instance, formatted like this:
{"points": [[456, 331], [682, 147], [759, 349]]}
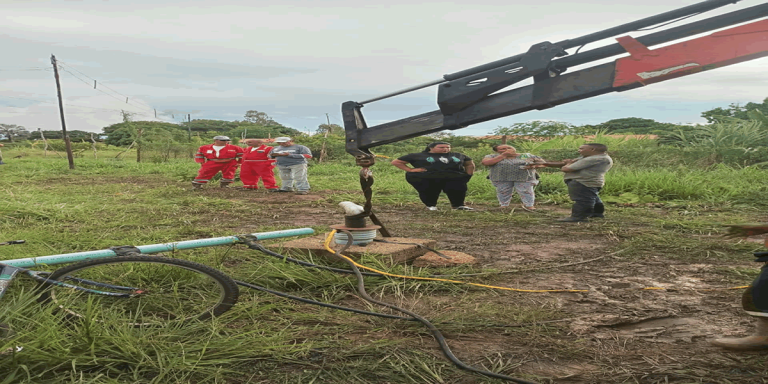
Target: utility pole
{"points": [[67, 143]]}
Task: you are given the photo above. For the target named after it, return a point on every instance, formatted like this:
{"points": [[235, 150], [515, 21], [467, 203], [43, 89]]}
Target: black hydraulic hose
{"points": [[320, 303], [435, 332], [665, 36], [254, 245], [702, 26], [363, 312], [604, 34]]}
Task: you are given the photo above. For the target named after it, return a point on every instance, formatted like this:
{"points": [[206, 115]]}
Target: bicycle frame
{"points": [[10, 268]]}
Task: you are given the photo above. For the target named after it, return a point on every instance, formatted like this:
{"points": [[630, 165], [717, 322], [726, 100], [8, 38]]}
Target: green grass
{"points": [[267, 339]]}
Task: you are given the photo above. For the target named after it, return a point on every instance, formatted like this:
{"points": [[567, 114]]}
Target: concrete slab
{"points": [[396, 253]]}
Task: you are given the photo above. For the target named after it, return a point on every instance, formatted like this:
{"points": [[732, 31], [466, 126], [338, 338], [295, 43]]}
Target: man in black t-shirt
{"points": [[436, 170]]}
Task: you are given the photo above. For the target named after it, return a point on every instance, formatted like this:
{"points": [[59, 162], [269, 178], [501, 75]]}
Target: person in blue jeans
{"points": [[585, 176]]}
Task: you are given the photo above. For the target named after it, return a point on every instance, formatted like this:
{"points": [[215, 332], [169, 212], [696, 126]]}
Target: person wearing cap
{"points": [[257, 165], [221, 156], [292, 163]]}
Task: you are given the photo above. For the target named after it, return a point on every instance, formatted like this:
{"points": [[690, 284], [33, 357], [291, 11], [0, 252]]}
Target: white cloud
{"points": [[297, 60]]}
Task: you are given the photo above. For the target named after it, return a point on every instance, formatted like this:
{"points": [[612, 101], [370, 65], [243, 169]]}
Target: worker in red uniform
{"points": [[221, 156], [257, 165]]}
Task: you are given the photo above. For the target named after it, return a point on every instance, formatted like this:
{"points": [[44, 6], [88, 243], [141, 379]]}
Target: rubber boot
{"points": [[197, 186], [750, 343], [224, 185], [598, 211]]}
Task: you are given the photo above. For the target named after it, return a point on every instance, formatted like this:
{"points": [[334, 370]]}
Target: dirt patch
{"points": [[636, 305], [553, 251], [447, 259]]}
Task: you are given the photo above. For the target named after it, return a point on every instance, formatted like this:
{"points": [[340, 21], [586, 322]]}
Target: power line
{"points": [[108, 94], [22, 69], [69, 104], [127, 98]]}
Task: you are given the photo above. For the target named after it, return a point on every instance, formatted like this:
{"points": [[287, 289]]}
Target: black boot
{"points": [[598, 211]]}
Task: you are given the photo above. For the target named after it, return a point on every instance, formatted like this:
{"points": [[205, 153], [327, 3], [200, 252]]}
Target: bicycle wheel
{"points": [[142, 290]]}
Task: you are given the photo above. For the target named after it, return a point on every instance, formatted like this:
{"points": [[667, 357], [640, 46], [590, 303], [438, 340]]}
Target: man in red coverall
{"points": [[221, 156], [257, 165]]}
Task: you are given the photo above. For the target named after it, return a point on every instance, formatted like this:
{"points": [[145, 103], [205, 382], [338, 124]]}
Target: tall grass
{"points": [[104, 203]]}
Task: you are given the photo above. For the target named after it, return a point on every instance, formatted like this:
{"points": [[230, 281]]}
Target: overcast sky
{"points": [[297, 60]]}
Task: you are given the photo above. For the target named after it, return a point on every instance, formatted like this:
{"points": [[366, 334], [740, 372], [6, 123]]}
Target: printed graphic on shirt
{"points": [[437, 165]]}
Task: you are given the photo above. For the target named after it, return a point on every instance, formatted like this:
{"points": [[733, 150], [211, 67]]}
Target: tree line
{"points": [[735, 126]]}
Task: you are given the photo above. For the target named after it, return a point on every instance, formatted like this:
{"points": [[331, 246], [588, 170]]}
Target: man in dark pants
{"points": [[755, 303], [585, 176]]}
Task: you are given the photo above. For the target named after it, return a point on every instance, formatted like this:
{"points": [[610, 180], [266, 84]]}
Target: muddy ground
{"points": [[647, 317]]}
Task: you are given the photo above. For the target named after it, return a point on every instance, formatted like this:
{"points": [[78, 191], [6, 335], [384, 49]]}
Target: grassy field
{"points": [[664, 230]]}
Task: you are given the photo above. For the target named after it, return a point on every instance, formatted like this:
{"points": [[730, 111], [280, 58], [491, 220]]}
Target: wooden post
{"points": [[45, 141], [189, 134], [93, 146], [325, 139], [42, 137], [139, 132], [67, 143], [504, 139]]}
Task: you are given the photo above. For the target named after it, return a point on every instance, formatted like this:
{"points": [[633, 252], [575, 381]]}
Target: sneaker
{"points": [[463, 208], [572, 220], [282, 190], [302, 192], [432, 208]]}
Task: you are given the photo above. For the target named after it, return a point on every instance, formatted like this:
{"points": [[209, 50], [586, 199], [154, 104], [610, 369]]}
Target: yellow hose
{"points": [[327, 246]]}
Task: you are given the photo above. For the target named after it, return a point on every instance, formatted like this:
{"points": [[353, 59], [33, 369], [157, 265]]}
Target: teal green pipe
{"points": [[153, 248]]}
